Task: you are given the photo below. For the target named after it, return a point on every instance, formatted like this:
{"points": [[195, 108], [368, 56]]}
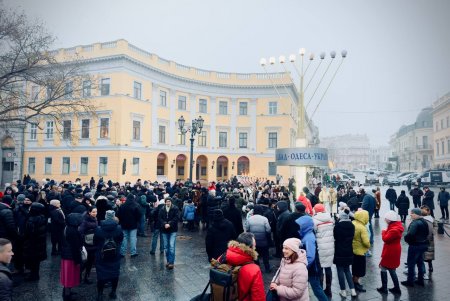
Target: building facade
{"points": [[134, 133], [441, 132], [11, 152], [347, 152], [411, 145], [379, 157]]}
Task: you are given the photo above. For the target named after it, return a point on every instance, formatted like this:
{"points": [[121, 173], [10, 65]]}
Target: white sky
{"points": [[398, 51]]}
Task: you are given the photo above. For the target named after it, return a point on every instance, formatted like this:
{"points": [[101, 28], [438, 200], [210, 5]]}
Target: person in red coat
{"points": [[305, 201], [241, 252], [390, 256]]}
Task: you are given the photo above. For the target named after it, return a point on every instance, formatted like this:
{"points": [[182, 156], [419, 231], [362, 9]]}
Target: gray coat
{"points": [[6, 284], [259, 226], [429, 253]]}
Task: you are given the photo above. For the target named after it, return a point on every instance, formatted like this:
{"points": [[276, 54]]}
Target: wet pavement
{"points": [[145, 277]]}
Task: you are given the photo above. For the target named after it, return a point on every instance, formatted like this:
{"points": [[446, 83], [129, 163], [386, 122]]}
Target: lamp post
{"points": [[196, 128]]}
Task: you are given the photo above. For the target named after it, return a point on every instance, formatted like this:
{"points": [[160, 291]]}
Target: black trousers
{"points": [[264, 253], [101, 285], [444, 211], [89, 263]]}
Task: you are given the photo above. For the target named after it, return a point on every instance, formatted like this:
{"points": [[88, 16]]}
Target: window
{"points": [[443, 148], [181, 102], [68, 90], [272, 169], [181, 139], [84, 165], [67, 129], [437, 148], [103, 166], [34, 92], [202, 106], [243, 108], [48, 166], [104, 87], [162, 134], [273, 108], [448, 146], [136, 130], [33, 131], [242, 140], [135, 166], [163, 98], [273, 139], [104, 128], [202, 139], [223, 108], [87, 88], [49, 130], [425, 141], [49, 92], [85, 123], [442, 124], [137, 90], [65, 165], [31, 165], [222, 139], [437, 125], [448, 122]]}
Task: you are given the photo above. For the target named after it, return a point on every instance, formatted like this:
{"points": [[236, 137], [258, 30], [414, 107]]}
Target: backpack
{"points": [[223, 280], [190, 213], [109, 250]]}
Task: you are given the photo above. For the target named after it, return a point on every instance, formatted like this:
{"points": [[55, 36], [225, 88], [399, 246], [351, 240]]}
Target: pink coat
{"points": [[292, 280]]}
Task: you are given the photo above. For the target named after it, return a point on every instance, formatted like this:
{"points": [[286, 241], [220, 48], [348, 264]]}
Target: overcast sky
{"points": [[398, 51]]}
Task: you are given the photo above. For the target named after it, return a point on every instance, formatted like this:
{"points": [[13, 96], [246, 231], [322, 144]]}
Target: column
{"points": [[172, 130], [154, 129], [253, 131], [233, 122], [212, 118]]}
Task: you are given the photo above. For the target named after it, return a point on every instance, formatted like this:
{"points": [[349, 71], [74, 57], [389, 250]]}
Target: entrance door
{"points": [[7, 165], [222, 168]]}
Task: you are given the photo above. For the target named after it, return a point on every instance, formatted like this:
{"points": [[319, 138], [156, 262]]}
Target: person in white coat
{"points": [[324, 198], [323, 227], [333, 201]]}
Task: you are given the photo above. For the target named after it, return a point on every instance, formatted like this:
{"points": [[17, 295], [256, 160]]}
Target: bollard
{"points": [[440, 229]]}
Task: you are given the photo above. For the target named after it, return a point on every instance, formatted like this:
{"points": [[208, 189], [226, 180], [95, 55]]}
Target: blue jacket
{"points": [[308, 239], [368, 204], [189, 212]]}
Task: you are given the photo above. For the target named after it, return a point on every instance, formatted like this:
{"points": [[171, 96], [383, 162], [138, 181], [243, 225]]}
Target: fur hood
{"points": [[244, 248]]}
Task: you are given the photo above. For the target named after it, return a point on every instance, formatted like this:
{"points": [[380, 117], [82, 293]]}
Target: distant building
{"points": [[347, 152], [441, 132], [379, 157], [411, 145], [11, 152]]}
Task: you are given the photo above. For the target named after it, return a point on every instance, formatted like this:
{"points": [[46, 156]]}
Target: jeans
{"points": [[169, 246], [316, 286], [141, 225], [343, 272], [415, 256], [371, 232], [264, 254], [444, 212], [392, 205], [156, 233], [131, 235]]}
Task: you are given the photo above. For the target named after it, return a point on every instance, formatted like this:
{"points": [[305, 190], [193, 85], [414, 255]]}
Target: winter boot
{"points": [[383, 288], [396, 289]]}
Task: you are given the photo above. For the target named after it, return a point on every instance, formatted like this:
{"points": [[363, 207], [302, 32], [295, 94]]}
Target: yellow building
{"points": [[134, 133], [441, 132]]}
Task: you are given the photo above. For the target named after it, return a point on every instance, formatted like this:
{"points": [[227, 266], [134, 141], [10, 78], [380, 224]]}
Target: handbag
{"points": [[84, 254], [272, 295]]}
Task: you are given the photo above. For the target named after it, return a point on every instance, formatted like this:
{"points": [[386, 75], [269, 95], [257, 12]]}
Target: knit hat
{"points": [[217, 214], [110, 214], [344, 215], [300, 207], [293, 244], [342, 205], [391, 215], [130, 197], [319, 208], [143, 198], [20, 198], [416, 211]]}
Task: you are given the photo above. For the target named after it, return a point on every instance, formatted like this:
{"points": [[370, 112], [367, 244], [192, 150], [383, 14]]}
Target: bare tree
{"points": [[33, 82]]}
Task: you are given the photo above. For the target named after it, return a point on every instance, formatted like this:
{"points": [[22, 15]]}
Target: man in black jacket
{"points": [[129, 215], [168, 218], [220, 232], [290, 229], [6, 283], [8, 228], [416, 193], [428, 199], [417, 239], [391, 196]]}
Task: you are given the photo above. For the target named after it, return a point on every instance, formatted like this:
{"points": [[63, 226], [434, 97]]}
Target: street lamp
{"points": [[196, 128]]}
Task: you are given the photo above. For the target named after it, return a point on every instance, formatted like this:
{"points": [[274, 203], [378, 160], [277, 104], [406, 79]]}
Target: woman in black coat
{"points": [[108, 236], [58, 222], [402, 204], [71, 254], [233, 214], [87, 230], [220, 232], [35, 240], [343, 231]]}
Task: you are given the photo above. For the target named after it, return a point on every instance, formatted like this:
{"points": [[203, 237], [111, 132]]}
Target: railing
{"points": [[163, 61], [88, 48], [424, 147], [203, 72], [139, 50], [182, 67], [108, 45], [223, 75]]}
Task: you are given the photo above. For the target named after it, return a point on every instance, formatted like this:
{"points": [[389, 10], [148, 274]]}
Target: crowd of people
{"points": [[97, 224]]}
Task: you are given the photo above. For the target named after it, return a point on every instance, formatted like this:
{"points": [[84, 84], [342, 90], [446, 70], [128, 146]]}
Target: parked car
{"points": [[435, 177], [344, 178], [372, 178], [391, 180], [413, 177]]}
